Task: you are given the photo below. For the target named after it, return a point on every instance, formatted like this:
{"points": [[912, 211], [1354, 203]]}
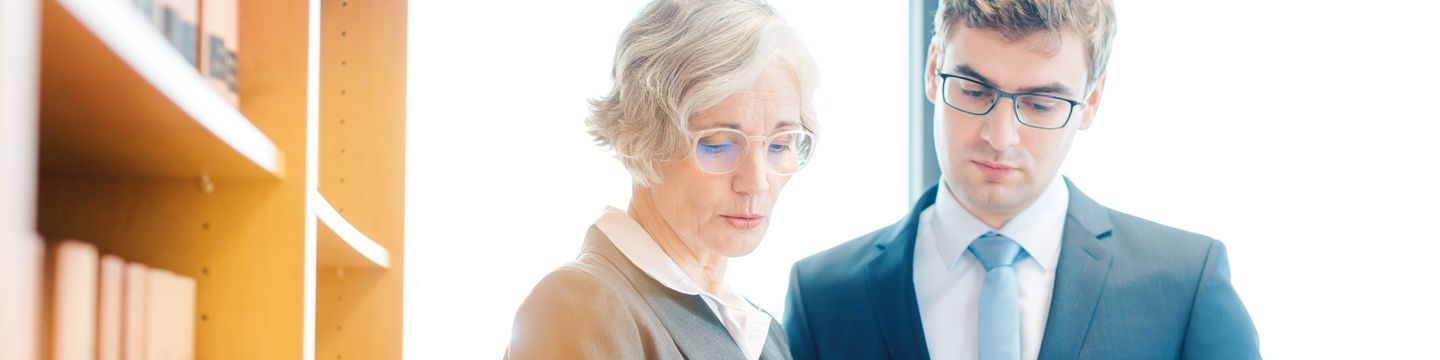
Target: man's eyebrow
{"points": [[1051, 88], [970, 72]]}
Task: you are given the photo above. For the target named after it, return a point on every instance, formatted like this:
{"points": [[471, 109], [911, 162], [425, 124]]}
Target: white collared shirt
{"points": [[747, 324], [948, 278]]}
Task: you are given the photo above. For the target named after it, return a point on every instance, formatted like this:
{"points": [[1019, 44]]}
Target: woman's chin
{"points": [[738, 244]]}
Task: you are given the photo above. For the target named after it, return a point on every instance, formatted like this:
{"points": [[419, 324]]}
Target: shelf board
{"points": [[117, 99], [341, 244]]}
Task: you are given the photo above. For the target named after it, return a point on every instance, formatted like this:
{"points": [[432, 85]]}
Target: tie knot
{"points": [[995, 250]]}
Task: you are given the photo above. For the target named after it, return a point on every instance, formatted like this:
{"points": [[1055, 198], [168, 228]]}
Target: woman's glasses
{"points": [[720, 150]]}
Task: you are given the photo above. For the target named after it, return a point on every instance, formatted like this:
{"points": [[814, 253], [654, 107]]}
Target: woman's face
{"points": [[727, 214]]}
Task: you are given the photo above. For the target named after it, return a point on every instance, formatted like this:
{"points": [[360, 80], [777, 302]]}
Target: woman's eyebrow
{"points": [[782, 124]]}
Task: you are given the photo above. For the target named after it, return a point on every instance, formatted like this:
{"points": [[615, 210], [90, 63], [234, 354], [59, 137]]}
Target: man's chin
{"points": [[977, 184], [992, 195]]}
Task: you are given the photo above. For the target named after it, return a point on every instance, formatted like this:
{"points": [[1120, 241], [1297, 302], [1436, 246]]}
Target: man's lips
{"points": [[993, 169]]}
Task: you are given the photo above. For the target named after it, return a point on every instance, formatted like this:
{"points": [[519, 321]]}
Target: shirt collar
{"points": [[1037, 229], [747, 324], [637, 245]]}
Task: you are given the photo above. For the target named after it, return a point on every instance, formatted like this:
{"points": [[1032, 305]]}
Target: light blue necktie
{"points": [[999, 297]]}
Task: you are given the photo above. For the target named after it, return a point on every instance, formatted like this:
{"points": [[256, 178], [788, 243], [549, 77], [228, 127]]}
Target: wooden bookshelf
{"points": [[120, 143], [143, 159], [361, 174], [117, 99]]}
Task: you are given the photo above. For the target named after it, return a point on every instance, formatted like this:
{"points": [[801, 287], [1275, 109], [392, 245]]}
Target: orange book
{"points": [[133, 335], [112, 277], [184, 317], [21, 277], [158, 319], [72, 302]]}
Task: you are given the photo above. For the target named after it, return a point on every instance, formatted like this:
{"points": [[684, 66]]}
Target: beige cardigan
{"points": [[600, 306]]}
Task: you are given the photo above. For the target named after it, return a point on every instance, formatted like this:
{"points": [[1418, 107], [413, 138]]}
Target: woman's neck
{"points": [[705, 268]]}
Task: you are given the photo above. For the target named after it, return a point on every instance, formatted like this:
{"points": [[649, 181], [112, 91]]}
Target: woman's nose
{"points": [[752, 176]]}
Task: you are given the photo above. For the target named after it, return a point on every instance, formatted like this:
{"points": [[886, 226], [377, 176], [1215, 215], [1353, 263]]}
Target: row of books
{"points": [[206, 34], [103, 307]]}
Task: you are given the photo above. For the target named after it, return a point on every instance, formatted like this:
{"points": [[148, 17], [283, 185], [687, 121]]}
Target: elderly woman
{"points": [[710, 112]]}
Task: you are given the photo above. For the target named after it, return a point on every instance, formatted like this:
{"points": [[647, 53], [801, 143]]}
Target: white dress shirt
{"points": [[746, 323], [948, 277]]}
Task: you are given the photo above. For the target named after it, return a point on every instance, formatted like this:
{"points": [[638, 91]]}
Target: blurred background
{"points": [[384, 179], [1300, 133]]}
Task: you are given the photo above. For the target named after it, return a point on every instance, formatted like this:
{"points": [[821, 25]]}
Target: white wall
{"points": [[1301, 133]]}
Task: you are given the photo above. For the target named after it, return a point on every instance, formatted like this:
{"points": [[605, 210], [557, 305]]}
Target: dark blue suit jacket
{"points": [[1125, 288]]}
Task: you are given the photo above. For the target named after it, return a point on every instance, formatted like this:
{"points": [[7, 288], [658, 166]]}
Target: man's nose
{"points": [[1002, 127]]}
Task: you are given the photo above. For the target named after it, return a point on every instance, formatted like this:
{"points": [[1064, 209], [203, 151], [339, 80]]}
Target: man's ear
{"points": [[1092, 102], [931, 61]]}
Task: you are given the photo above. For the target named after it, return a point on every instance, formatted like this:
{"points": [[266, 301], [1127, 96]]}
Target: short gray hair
{"points": [[679, 57]]}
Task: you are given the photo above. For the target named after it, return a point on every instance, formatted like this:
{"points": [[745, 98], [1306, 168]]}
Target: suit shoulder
{"points": [[1144, 239], [1135, 225], [843, 262]]}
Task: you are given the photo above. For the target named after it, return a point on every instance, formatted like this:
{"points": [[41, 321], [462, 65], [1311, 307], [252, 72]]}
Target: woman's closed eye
{"points": [[781, 147], [716, 148]]}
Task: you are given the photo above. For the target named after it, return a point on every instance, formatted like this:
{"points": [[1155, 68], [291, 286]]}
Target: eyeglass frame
{"points": [[749, 139], [1014, 101]]}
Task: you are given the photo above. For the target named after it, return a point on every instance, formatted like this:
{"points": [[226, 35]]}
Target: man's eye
{"points": [[1041, 105]]}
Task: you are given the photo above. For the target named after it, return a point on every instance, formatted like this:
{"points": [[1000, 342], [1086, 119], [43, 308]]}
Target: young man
{"points": [[1004, 259]]}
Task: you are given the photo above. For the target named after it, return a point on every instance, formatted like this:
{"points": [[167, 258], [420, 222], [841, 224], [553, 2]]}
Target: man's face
{"points": [[995, 165]]}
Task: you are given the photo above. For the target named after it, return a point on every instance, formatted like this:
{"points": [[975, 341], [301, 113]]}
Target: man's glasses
{"points": [[973, 97]]}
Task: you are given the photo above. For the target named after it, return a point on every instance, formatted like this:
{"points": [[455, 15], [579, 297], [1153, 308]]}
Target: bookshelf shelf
{"points": [[341, 245], [117, 99]]}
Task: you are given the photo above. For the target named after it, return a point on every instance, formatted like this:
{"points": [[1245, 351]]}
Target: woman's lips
{"points": [[744, 221], [993, 170]]}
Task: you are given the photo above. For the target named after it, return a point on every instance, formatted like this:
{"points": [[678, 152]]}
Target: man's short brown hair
{"points": [[1093, 20]]}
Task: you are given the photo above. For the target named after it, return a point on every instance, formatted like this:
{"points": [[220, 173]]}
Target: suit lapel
{"points": [[892, 286], [1080, 276]]}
